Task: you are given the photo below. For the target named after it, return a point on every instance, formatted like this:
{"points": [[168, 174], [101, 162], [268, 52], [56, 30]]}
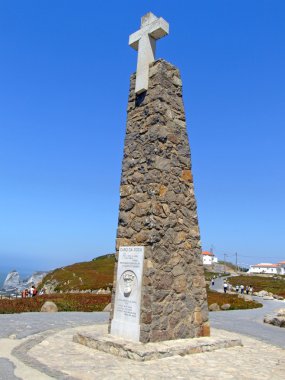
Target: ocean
{"points": [[2, 278]]}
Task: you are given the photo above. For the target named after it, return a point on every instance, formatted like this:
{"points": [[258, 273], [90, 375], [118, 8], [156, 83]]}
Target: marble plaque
{"points": [[126, 319]]}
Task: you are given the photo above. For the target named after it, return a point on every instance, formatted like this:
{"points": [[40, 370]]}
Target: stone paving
{"points": [[46, 351], [7, 368], [255, 360]]}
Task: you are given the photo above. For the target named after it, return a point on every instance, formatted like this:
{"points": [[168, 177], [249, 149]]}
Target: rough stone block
{"points": [[150, 351]]}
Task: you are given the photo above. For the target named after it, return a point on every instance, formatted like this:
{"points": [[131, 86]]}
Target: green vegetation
{"points": [[64, 302], [97, 302], [98, 274], [235, 302], [275, 285], [95, 274]]}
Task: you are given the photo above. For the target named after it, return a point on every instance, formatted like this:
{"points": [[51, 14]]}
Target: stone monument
{"points": [[159, 288]]}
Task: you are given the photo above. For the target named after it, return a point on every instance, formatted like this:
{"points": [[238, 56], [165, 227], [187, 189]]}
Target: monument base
{"points": [[149, 351], [129, 331]]}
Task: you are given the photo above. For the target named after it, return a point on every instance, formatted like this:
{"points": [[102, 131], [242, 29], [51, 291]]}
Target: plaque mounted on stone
{"points": [[126, 320]]}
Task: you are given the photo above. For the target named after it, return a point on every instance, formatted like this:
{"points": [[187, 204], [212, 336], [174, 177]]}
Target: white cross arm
{"points": [[157, 29], [144, 41]]}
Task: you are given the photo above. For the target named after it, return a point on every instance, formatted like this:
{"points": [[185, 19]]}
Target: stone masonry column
{"points": [[158, 210]]}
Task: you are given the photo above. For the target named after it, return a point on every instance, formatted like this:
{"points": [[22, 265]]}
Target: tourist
{"points": [[247, 289], [31, 291], [225, 286], [242, 289], [237, 288], [34, 291], [250, 289], [213, 282]]}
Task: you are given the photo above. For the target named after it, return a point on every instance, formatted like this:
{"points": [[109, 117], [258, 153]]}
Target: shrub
{"points": [[270, 284], [64, 302], [235, 302]]}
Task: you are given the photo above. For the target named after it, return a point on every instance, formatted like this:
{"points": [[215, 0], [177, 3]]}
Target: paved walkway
{"points": [[29, 328], [250, 322], [38, 346], [56, 356]]}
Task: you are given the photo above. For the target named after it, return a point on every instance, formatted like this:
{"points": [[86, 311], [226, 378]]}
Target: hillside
{"points": [[89, 275], [96, 274]]}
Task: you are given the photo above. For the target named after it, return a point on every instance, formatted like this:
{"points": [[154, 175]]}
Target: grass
{"points": [[95, 274], [235, 302], [270, 284], [64, 302]]}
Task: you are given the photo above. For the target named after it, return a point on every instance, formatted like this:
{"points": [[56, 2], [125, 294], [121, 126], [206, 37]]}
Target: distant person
{"points": [[237, 288], [35, 291], [31, 291], [213, 282], [242, 289], [225, 287], [250, 289], [24, 294], [247, 289]]}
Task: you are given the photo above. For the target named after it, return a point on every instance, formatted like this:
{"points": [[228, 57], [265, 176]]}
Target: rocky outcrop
{"points": [[49, 307], [35, 278], [267, 295], [214, 307], [276, 319], [261, 293], [12, 281], [226, 306], [108, 307]]}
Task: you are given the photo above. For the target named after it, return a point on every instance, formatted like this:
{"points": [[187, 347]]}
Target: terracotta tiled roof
{"points": [[206, 253], [266, 265]]}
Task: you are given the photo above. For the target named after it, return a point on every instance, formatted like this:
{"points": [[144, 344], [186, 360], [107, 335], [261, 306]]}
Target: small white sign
{"points": [[126, 317]]}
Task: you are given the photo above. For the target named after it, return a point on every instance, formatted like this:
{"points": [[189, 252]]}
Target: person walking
{"points": [[225, 286]]}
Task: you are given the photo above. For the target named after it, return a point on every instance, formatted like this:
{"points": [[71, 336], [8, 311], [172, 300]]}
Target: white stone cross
{"points": [[144, 41]]}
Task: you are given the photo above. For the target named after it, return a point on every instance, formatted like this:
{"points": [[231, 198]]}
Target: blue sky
{"points": [[64, 81]]}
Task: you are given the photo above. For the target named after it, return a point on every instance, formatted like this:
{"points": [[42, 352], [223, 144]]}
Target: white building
{"points": [[282, 267], [209, 258], [268, 268]]}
